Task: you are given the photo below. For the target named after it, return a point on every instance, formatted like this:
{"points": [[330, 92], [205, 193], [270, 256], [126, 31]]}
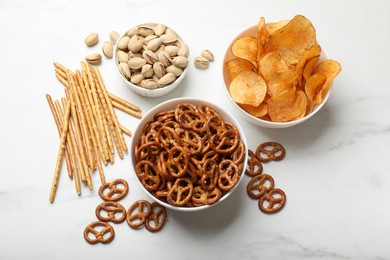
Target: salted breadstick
{"points": [[125, 130], [108, 114], [83, 125], [60, 66], [61, 151], [111, 111], [62, 80], [59, 128], [103, 125], [73, 151], [125, 109], [124, 102]]}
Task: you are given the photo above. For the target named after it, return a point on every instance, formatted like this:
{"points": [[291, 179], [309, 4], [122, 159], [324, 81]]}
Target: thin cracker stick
{"points": [[59, 128], [74, 153], [125, 109], [61, 73], [83, 125], [124, 102], [111, 110], [64, 81], [84, 172], [125, 130], [89, 119], [103, 124], [61, 151]]}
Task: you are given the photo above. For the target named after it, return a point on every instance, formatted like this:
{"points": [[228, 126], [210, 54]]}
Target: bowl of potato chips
{"points": [[276, 74]]}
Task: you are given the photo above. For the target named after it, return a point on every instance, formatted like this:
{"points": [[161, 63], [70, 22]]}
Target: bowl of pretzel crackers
{"points": [[188, 154]]}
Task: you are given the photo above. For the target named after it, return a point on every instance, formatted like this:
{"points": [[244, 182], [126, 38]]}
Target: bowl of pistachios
{"points": [[151, 58]]}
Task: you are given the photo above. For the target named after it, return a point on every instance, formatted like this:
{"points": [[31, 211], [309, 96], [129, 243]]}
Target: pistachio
{"points": [[172, 50], [175, 70], [135, 44], [207, 54], [159, 69], [134, 55], [122, 56], [125, 70], [183, 50], [149, 84], [147, 70], [164, 58], [149, 56], [136, 63], [92, 39], [159, 29], [131, 32], [147, 39], [168, 38], [201, 62], [154, 44], [107, 49], [145, 30], [180, 61], [166, 79], [94, 58], [114, 36], [123, 43], [136, 78]]}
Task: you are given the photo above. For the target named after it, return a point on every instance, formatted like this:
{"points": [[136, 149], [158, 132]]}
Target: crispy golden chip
{"points": [[306, 60], [279, 82], [272, 27], [312, 86], [259, 111], [287, 106], [261, 38], [309, 67], [330, 69], [248, 88], [271, 63], [236, 66], [246, 48], [292, 40]]}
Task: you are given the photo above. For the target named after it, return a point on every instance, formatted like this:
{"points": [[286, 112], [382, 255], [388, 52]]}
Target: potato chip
{"points": [[330, 69], [259, 111], [246, 48], [282, 81], [292, 40], [309, 67], [271, 63], [287, 106], [261, 38], [312, 86], [272, 27], [248, 88], [236, 66], [308, 56]]}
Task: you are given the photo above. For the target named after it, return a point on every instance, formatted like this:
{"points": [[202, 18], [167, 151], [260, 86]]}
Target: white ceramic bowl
{"points": [[252, 31], [144, 91], [171, 104]]}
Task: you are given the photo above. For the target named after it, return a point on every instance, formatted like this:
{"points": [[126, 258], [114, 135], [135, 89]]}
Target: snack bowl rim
{"points": [[262, 122], [158, 92], [171, 104]]}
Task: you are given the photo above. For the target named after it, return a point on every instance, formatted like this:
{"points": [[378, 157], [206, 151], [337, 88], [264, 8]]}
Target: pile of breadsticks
{"points": [[88, 126]]}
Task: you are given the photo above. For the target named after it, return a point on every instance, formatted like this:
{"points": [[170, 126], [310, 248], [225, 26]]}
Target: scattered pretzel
{"points": [[270, 151], [156, 219], [257, 186], [112, 209], [112, 191], [254, 165], [99, 230], [273, 201], [137, 213]]}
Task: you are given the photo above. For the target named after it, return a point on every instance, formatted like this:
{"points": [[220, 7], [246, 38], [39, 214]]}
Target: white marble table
{"points": [[336, 173]]}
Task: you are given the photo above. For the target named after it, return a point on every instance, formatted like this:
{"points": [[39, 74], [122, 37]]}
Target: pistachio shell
{"points": [[122, 56], [147, 39], [147, 70], [136, 63], [180, 61], [125, 70], [136, 78], [123, 43], [183, 50], [159, 29], [107, 49], [175, 70], [149, 56], [168, 38], [207, 54], [145, 30], [166, 79], [154, 44], [172, 50], [92, 39], [114, 36], [201, 62], [149, 84], [159, 69], [94, 58], [131, 32], [164, 58]]}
